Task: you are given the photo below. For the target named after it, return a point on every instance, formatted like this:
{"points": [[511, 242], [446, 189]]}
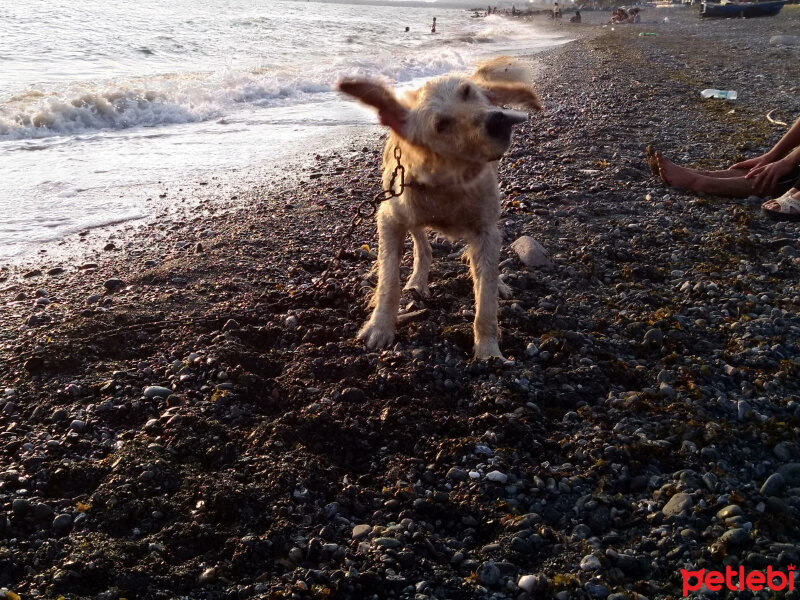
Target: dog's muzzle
{"points": [[499, 123]]}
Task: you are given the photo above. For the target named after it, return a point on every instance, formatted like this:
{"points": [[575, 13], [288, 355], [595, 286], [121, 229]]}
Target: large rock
{"points": [[678, 504], [784, 40], [532, 253]]}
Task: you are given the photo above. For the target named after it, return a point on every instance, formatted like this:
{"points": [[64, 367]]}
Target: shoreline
{"points": [[185, 420]]}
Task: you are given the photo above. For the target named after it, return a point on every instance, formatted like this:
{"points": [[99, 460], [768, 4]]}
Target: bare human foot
{"points": [[673, 175]]}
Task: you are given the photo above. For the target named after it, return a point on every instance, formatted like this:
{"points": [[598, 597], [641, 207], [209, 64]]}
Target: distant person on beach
{"points": [[620, 15], [556, 11], [576, 18], [433, 25], [634, 16], [775, 173]]}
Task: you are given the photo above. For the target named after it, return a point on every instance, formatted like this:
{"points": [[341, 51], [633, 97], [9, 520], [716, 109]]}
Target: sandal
{"points": [[784, 208], [652, 161]]}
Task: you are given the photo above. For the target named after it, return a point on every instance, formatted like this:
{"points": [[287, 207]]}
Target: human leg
{"points": [[730, 183]]}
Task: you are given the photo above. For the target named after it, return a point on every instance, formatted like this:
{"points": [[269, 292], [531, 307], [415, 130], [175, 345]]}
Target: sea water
{"points": [[102, 99]]}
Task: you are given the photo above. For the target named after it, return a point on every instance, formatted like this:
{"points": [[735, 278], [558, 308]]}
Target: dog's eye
{"points": [[466, 93], [443, 124]]}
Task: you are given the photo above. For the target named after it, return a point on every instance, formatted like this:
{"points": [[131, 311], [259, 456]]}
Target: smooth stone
{"points": [[154, 391], [590, 563], [20, 507], [596, 590], [113, 285], [387, 542], [732, 510], [353, 394], [774, 485], [43, 512], [77, 425], [529, 583], [62, 523], [743, 408], [653, 337], [678, 504], [360, 531], [497, 477], [488, 574], [531, 253], [456, 474], [735, 537], [784, 40], [791, 473]]}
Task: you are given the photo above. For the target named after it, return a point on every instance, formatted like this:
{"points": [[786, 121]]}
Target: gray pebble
{"points": [[62, 524], [653, 337], [488, 574], [43, 512], [678, 504], [590, 563], [113, 285], [154, 391], [735, 537], [456, 474], [774, 485], [360, 531], [20, 507], [732, 510]]}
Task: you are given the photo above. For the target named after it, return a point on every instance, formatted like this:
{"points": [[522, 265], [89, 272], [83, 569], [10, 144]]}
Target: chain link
{"points": [[367, 210]]}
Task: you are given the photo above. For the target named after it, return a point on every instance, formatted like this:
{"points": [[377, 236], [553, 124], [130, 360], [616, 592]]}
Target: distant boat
{"points": [[746, 10]]}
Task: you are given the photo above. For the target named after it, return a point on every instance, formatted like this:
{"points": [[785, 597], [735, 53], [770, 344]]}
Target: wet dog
{"points": [[450, 133]]}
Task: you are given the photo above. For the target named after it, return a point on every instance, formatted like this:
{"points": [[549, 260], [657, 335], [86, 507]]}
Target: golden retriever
{"points": [[451, 133]]}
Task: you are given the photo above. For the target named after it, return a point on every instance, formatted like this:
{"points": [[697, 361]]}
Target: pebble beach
{"points": [[185, 413]]}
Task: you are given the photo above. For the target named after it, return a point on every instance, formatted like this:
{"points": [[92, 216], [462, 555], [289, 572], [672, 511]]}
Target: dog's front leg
{"points": [[378, 331], [484, 254], [422, 263]]}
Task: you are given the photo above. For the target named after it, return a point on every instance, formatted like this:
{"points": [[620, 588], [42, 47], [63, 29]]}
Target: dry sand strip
{"points": [[179, 420]]}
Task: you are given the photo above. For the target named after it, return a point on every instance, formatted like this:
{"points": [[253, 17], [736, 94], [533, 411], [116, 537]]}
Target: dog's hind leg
{"points": [[422, 263], [484, 254], [378, 331]]}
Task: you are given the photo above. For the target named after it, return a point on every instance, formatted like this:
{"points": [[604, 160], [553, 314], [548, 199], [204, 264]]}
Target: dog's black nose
{"points": [[499, 123]]}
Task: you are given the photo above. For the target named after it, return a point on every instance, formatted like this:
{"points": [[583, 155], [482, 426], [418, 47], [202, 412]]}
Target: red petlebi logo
{"points": [[738, 580]]}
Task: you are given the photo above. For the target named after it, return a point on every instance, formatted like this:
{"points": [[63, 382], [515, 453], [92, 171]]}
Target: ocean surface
{"points": [[102, 100]]}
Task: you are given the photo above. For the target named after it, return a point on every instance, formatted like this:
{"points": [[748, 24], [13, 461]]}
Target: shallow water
{"points": [[100, 101]]}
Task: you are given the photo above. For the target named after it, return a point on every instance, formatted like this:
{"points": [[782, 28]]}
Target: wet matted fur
{"points": [[451, 133]]}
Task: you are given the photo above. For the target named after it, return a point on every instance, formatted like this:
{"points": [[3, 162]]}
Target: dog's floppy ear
{"points": [[512, 94], [504, 81], [390, 111]]}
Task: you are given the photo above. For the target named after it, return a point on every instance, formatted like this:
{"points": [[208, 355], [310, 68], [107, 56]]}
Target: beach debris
{"points": [[775, 121], [720, 94]]}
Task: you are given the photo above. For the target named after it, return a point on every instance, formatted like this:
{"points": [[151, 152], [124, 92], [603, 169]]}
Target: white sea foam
{"points": [[102, 98]]}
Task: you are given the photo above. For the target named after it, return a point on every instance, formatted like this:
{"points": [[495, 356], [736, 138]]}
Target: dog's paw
{"points": [[376, 333], [419, 287], [504, 289], [487, 349]]}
